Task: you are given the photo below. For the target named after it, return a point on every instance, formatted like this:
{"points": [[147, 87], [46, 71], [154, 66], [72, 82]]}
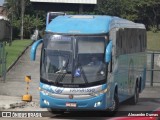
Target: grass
{"points": [[153, 41], [15, 50]]}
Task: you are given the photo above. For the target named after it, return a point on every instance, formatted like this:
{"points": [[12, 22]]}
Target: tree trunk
{"points": [[22, 16]]}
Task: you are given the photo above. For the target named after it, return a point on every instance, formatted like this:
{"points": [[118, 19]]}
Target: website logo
{"points": [[6, 114]]}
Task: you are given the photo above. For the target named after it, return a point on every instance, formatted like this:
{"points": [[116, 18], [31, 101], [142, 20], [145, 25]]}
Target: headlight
{"points": [[100, 92]]}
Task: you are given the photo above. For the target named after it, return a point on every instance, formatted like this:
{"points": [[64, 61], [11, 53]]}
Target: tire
{"points": [[114, 109], [55, 111], [135, 98]]}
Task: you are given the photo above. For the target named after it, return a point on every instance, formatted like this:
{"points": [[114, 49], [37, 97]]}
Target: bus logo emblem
{"points": [[70, 96], [58, 90]]}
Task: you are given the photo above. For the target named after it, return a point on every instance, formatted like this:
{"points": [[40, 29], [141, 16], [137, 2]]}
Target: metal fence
{"points": [[153, 68], [3, 56]]}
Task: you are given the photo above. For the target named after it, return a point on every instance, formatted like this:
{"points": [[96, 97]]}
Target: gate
{"points": [[3, 56], [153, 68]]}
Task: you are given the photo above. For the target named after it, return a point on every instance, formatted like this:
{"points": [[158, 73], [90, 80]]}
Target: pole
{"points": [[27, 97], [10, 43], [22, 16], [152, 68], [1, 74], [3, 62]]}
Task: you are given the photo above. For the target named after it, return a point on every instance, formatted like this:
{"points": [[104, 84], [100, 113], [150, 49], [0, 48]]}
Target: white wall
{"points": [[68, 1]]}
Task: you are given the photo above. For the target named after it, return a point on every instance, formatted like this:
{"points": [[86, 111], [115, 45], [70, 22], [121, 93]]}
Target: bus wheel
{"points": [[55, 111], [134, 99], [113, 110]]}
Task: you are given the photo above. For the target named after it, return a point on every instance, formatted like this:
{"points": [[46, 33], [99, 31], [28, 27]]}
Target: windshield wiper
{"points": [[62, 72], [83, 74]]}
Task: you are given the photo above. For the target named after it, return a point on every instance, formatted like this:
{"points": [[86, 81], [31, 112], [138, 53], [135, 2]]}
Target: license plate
{"points": [[71, 104]]}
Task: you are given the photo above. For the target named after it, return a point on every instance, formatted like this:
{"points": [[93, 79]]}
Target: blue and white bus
{"points": [[91, 62]]}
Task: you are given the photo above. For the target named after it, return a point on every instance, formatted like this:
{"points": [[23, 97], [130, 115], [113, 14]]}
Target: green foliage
{"points": [[149, 12], [145, 11], [32, 19], [13, 7], [153, 29], [128, 9], [110, 7], [30, 23], [122, 8]]}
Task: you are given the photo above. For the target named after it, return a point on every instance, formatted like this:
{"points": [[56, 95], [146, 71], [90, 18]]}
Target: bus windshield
{"points": [[73, 60], [90, 60]]}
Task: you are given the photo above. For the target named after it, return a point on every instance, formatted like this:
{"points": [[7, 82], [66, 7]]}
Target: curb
{"points": [[9, 68]]}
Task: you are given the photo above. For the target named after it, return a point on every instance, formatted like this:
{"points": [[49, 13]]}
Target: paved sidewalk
{"points": [[14, 88], [15, 84]]}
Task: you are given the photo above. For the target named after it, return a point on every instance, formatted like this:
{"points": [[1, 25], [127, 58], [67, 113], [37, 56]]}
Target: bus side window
{"points": [[118, 42]]}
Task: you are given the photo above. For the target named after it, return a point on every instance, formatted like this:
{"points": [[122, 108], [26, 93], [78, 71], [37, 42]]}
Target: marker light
{"points": [[97, 104], [46, 102]]}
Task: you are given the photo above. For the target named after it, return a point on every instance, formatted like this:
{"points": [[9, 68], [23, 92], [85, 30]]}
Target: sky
{"points": [[1, 2]]}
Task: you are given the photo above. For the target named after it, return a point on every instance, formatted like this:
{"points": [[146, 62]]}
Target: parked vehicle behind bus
{"points": [[91, 62], [52, 15]]}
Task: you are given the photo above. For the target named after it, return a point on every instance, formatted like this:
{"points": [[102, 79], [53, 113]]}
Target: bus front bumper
{"points": [[94, 103]]}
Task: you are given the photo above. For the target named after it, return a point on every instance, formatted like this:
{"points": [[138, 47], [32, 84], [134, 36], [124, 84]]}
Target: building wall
{"points": [[3, 12], [68, 1]]}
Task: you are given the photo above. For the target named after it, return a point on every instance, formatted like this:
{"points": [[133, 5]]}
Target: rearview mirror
{"points": [[108, 53]]}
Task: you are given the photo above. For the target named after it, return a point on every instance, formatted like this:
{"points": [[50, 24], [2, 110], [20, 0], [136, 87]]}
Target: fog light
{"points": [[46, 102], [97, 104]]}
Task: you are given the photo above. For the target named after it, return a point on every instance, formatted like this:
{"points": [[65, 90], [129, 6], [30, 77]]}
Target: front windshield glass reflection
{"points": [[91, 58], [73, 59]]}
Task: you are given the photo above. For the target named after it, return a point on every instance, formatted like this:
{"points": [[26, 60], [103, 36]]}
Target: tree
{"points": [[22, 17], [144, 11], [122, 8], [149, 12], [110, 7], [13, 11], [30, 23], [19, 12], [13, 8], [128, 9]]}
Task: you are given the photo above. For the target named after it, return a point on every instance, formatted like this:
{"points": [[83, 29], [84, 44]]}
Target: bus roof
{"points": [[80, 24], [123, 23], [88, 24]]}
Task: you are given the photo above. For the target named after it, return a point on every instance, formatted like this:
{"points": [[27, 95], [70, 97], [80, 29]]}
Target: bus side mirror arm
{"points": [[34, 48], [108, 53]]}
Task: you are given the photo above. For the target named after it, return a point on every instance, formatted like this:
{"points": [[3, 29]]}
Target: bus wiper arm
{"points": [[62, 71], [83, 74]]}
